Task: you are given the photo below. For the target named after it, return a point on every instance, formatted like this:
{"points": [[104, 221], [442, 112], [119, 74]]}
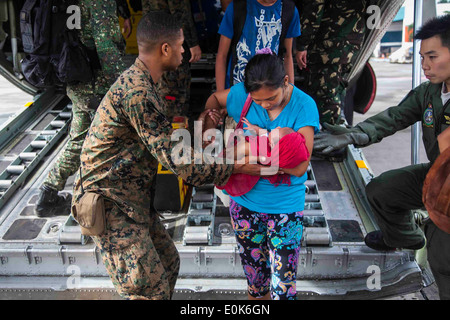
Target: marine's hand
{"points": [[337, 137]]}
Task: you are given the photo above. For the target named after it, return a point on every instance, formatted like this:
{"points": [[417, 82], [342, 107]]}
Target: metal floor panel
{"points": [[94, 288], [337, 268]]}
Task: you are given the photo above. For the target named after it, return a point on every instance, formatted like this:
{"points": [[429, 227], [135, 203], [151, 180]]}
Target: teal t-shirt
{"points": [[301, 111]]}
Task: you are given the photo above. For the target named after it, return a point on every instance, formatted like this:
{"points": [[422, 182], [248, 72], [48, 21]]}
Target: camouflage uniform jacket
{"points": [[180, 8], [128, 137]]}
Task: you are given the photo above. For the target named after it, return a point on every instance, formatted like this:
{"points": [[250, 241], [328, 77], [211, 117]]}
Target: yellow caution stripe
{"points": [[361, 164]]}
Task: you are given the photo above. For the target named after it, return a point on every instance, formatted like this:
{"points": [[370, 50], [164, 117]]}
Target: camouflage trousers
{"points": [[141, 259], [324, 82], [174, 88], [68, 160], [332, 56]]}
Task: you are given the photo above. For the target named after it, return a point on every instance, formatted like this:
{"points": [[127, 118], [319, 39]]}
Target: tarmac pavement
{"points": [[12, 100]]}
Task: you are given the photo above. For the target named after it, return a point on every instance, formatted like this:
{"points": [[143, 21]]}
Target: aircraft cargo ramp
{"points": [[48, 258]]}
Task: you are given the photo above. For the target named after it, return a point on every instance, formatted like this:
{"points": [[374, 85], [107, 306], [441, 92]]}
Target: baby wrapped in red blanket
{"points": [[281, 148]]}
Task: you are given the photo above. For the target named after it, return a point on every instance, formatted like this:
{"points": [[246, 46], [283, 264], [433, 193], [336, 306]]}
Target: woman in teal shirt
{"points": [[268, 219]]}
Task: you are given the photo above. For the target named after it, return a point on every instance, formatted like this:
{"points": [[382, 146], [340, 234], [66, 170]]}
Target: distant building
{"points": [[400, 33], [393, 38]]}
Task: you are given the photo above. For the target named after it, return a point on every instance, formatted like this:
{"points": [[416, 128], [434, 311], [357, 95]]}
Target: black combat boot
{"points": [[51, 204], [374, 240]]}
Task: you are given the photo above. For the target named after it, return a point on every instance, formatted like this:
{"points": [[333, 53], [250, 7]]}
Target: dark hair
{"points": [[264, 70], [156, 28], [439, 26]]}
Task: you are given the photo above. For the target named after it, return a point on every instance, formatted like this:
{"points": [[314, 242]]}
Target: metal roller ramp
{"points": [[20, 156], [39, 256], [200, 220], [199, 227], [333, 261]]}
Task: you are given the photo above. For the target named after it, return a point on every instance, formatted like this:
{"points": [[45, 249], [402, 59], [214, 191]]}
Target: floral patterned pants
{"points": [[269, 246]]}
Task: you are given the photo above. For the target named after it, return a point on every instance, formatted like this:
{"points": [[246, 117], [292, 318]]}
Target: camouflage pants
{"points": [[68, 160], [106, 38], [325, 83], [331, 57], [141, 259]]}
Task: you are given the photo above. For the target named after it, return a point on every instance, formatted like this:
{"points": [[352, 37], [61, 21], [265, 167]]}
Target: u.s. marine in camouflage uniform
{"points": [[100, 33], [128, 137], [175, 85], [332, 35]]}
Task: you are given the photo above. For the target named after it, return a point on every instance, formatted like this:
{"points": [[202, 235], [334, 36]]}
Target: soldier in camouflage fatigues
{"points": [[332, 35], [100, 32], [175, 85], [128, 137]]}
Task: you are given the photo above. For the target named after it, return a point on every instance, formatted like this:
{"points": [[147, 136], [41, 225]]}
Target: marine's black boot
{"points": [[50, 203]]}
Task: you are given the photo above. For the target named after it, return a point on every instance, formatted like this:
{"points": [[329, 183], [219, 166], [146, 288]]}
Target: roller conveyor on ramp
{"points": [[28, 138], [49, 258]]}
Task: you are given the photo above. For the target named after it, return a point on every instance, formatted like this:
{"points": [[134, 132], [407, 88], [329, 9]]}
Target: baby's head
{"points": [[276, 134]]}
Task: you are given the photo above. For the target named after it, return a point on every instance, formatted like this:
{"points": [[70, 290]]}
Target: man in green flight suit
{"points": [[394, 193]]}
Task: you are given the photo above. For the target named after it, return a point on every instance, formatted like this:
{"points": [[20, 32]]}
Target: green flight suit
{"points": [[394, 193]]}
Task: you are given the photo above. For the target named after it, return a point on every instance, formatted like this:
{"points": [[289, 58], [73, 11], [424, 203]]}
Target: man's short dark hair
{"points": [[439, 26], [156, 28]]}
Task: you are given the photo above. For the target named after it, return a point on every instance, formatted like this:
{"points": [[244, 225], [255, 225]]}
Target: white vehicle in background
{"points": [[403, 55]]}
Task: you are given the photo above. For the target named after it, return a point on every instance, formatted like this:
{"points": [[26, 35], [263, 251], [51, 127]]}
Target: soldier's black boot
{"points": [[50, 203], [375, 241]]}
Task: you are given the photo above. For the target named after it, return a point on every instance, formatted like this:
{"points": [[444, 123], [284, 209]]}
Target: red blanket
{"points": [[288, 153]]}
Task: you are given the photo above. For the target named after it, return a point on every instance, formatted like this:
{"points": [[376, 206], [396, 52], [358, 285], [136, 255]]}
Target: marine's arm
{"points": [[123, 10], [182, 9], [155, 131], [106, 36], [311, 14]]}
